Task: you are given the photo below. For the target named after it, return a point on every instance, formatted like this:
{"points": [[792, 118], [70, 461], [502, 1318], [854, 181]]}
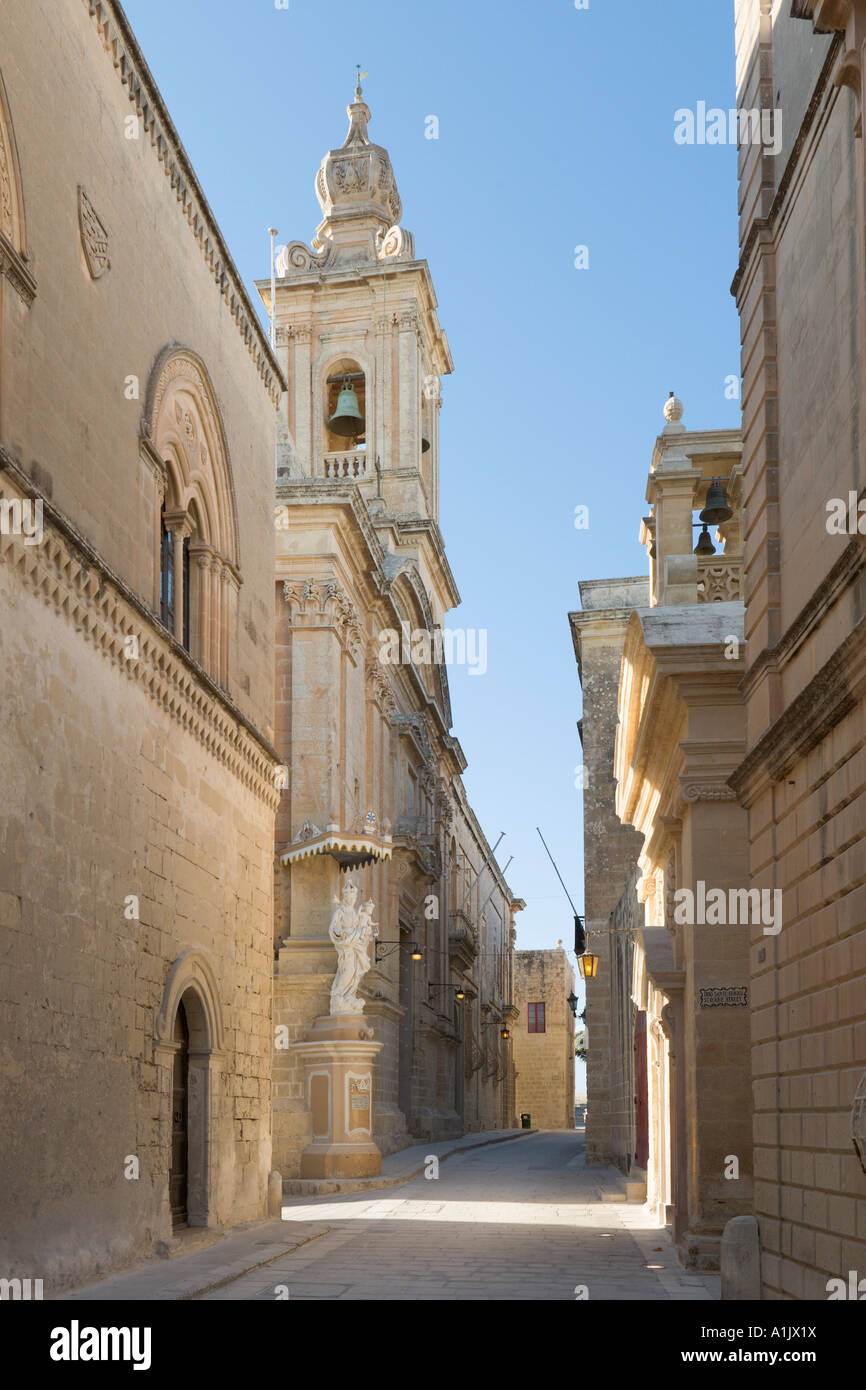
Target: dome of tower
{"points": [[356, 181]]}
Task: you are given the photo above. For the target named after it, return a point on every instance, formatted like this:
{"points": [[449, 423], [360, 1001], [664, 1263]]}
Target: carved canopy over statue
{"points": [[352, 932]]}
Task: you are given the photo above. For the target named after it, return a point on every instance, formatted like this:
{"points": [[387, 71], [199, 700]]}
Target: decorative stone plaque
{"points": [[94, 236], [725, 996]]}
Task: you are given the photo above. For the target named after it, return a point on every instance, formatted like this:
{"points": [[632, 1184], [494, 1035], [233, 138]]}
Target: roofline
{"points": [[134, 73]]}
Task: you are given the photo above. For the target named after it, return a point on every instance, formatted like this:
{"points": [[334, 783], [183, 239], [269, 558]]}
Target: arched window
{"points": [[197, 567], [345, 401]]}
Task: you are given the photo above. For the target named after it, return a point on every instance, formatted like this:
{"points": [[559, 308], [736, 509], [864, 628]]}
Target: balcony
{"points": [[350, 464], [462, 939]]}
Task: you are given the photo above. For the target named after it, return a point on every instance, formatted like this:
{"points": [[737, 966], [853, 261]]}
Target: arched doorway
{"points": [[179, 1173], [188, 1048]]}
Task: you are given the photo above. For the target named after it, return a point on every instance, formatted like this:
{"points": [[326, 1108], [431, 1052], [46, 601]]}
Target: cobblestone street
{"points": [[517, 1220]]}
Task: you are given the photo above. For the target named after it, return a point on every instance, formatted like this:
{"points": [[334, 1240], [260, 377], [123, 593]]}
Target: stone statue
{"points": [[352, 931]]}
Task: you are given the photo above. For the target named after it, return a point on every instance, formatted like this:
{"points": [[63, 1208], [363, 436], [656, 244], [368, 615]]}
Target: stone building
{"points": [[801, 293], [543, 1033], [372, 787], [675, 1054], [610, 853], [137, 405]]}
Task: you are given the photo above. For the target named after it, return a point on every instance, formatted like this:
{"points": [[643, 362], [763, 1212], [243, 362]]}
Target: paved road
{"points": [[521, 1220]]}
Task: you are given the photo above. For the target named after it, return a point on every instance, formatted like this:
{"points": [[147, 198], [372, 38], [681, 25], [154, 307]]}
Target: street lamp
{"points": [[572, 1002], [384, 949], [588, 966]]}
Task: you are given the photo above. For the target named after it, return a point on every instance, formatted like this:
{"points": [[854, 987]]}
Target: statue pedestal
{"points": [[338, 1055]]}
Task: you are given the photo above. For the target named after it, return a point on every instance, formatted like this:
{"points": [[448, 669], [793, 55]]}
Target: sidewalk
{"points": [[401, 1167]]}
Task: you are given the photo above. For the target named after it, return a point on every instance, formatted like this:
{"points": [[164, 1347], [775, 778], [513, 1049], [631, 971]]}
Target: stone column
{"points": [[178, 523], [200, 555]]}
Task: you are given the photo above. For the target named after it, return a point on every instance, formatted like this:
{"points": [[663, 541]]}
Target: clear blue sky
{"points": [[555, 130]]}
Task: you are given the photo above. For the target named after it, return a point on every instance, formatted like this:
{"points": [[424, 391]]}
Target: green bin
{"points": [[526, 1122]]}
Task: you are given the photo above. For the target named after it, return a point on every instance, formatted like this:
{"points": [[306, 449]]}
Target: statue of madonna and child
{"points": [[352, 932]]}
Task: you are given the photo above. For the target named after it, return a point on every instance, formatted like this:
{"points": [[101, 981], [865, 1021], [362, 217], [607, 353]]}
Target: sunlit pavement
{"points": [[520, 1220]]}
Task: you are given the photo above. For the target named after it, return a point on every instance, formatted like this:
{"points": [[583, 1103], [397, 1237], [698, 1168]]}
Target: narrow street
{"points": [[519, 1220]]}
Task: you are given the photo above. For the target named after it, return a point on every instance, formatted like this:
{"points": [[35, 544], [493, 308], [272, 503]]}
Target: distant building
{"points": [[543, 1034]]}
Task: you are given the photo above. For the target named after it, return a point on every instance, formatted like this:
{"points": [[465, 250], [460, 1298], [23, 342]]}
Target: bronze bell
{"points": [[716, 510], [347, 420], [425, 445], [705, 545]]}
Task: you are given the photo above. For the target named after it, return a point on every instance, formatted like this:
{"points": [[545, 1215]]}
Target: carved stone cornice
{"points": [[120, 44], [303, 492], [70, 576], [771, 661], [826, 700], [15, 271], [416, 726], [379, 686], [323, 603], [301, 334]]}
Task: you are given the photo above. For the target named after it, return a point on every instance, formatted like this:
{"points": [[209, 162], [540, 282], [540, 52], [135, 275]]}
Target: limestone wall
{"points": [[136, 834], [801, 299]]}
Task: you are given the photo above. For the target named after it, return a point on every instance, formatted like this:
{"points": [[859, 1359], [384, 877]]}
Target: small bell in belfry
{"points": [[716, 510], [347, 420], [705, 545]]}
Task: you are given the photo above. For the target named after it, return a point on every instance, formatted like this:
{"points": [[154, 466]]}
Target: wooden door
{"points": [[178, 1180]]}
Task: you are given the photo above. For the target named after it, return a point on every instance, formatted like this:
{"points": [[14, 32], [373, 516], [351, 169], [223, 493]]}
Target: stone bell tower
{"points": [[355, 311], [365, 745]]}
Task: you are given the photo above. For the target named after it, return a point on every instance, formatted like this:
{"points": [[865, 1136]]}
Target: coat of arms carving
{"points": [[94, 237]]}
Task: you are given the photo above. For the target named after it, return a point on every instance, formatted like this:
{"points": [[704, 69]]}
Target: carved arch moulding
{"points": [[182, 423], [191, 971], [13, 235]]}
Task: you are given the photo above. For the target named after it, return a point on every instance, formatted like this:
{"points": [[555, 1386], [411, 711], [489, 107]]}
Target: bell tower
{"points": [[363, 734], [358, 337]]}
